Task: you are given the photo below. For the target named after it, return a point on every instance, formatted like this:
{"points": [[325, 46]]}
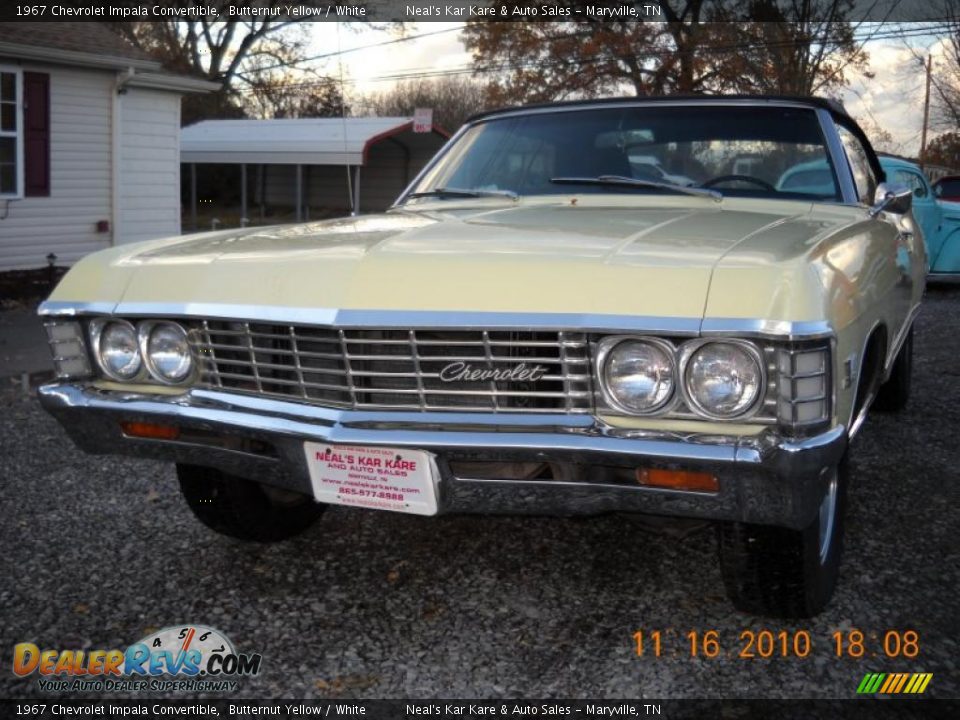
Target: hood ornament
{"points": [[465, 372]]}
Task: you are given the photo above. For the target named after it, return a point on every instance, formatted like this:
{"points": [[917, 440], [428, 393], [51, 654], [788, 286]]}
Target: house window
{"points": [[11, 133]]}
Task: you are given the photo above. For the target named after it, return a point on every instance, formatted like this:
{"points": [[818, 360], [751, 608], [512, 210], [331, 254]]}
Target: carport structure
{"points": [[313, 161]]}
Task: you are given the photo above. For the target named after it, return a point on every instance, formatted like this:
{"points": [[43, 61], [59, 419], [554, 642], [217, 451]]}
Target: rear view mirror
{"points": [[897, 199]]}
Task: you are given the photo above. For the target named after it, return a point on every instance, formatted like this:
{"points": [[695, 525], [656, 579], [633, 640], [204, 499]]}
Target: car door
{"points": [[895, 283]]}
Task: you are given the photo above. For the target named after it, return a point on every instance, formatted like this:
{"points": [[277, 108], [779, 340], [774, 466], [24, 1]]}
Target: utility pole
{"points": [[926, 110]]}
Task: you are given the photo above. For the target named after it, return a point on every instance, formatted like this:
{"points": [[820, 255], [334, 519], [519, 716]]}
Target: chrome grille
{"points": [[396, 368]]}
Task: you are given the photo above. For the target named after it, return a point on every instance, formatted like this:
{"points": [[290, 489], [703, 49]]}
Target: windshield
{"points": [[736, 150]]}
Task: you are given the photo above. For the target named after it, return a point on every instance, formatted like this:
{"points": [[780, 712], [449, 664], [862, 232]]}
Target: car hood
{"points": [[650, 258]]}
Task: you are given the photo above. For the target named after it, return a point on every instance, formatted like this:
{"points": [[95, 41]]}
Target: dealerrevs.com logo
{"points": [[189, 658]]}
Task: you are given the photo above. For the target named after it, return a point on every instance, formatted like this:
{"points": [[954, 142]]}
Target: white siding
{"points": [[80, 176], [149, 187]]}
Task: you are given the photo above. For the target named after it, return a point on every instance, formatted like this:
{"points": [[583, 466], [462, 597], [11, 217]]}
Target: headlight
{"points": [[723, 379], [168, 352], [117, 350], [638, 376]]}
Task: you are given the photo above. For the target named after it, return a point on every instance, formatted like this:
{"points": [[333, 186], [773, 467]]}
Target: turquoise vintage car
{"points": [[939, 220]]}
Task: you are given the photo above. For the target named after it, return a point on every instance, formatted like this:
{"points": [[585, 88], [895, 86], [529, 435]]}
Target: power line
{"points": [[705, 49], [339, 52]]}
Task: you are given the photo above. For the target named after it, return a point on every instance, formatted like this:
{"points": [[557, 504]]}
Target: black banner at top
{"points": [[500, 709], [418, 10]]}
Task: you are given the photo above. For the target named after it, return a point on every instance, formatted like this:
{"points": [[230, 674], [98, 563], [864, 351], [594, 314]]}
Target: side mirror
{"points": [[897, 199]]}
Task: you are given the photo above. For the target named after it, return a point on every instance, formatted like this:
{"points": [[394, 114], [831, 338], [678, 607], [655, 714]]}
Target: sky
{"points": [[891, 96]]}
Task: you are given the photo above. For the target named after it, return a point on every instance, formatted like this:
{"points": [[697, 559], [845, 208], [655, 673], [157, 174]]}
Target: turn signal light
{"points": [[678, 480], [150, 430]]}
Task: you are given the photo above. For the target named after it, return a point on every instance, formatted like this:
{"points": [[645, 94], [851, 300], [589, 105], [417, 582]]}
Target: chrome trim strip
{"points": [[420, 319], [899, 340], [553, 484], [453, 319], [59, 308], [635, 102], [857, 421], [838, 157], [780, 329], [861, 417]]}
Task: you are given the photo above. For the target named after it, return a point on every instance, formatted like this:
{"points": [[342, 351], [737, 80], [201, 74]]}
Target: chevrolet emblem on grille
{"points": [[465, 372]]}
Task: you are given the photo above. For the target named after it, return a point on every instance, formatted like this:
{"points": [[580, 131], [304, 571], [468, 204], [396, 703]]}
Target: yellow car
{"points": [[530, 329]]}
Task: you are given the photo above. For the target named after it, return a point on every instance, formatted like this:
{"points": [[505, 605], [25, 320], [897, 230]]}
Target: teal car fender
{"points": [[939, 220]]}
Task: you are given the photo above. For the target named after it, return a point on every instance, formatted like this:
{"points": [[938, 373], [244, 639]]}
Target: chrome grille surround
{"points": [[392, 368], [395, 369]]}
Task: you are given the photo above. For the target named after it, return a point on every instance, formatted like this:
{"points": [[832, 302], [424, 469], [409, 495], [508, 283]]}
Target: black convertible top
{"points": [[830, 104]]}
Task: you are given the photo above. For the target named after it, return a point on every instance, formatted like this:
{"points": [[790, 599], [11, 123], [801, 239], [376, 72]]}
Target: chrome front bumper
{"points": [[763, 479]]}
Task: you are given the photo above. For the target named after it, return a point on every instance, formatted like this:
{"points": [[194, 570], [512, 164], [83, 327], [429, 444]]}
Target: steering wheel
{"points": [[738, 178]]}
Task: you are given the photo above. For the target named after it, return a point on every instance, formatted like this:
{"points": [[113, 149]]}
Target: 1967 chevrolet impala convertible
{"points": [[537, 326]]}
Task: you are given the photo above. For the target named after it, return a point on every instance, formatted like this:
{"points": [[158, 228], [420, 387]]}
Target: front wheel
{"points": [[785, 573], [245, 509]]}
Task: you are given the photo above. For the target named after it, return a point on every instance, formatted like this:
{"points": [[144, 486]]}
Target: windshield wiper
{"points": [[634, 182], [449, 192]]}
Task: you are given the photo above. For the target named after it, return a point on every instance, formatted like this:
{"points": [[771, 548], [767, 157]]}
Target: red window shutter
{"points": [[36, 134]]}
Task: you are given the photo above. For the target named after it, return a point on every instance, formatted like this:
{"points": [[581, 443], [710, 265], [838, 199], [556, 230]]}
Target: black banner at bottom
{"points": [[875, 709]]}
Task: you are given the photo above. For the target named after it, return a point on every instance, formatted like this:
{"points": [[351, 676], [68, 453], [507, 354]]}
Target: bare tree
{"points": [[880, 138], [770, 46], [943, 150], [945, 79], [285, 98], [791, 48], [237, 53], [531, 61], [453, 99]]}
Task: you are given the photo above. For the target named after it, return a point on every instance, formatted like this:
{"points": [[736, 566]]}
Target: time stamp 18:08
{"points": [[763, 644]]}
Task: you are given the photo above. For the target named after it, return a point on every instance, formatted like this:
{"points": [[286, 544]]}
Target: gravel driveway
{"points": [[96, 552]]}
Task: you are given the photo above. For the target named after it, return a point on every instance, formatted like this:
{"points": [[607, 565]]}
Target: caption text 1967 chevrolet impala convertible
{"points": [[576, 308]]}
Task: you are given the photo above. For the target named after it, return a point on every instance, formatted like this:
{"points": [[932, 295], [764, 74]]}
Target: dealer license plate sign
{"points": [[373, 477]]}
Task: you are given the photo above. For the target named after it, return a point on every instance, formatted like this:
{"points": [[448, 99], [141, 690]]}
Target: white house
{"points": [[89, 143]]}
